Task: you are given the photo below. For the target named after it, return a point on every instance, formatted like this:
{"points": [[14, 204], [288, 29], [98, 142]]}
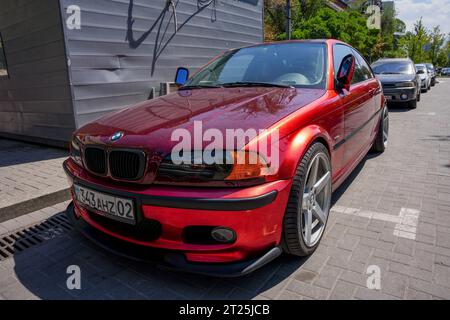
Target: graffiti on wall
{"points": [[167, 25]]}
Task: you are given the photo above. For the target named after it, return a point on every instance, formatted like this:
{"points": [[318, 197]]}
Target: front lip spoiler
{"points": [[167, 259], [238, 204]]}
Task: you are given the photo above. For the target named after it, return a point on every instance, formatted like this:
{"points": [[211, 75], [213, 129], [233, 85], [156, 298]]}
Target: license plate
{"points": [[117, 208]]}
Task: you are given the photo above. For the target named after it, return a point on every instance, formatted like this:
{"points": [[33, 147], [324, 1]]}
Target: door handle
{"points": [[374, 91]]}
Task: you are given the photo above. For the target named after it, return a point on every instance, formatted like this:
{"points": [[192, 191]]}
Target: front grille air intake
{"points": [[126, 165], [95, 159]]}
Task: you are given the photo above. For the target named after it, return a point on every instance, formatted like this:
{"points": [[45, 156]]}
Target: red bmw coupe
{"points": [[140, 188]]}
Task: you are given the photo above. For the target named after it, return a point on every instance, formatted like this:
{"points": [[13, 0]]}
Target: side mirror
{"points": [[345, 73], [182, 76]]}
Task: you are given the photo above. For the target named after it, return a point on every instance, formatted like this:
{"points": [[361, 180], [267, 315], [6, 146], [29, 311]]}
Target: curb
{"points": [[34, 204]]}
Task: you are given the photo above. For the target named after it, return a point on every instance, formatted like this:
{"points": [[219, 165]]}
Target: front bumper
{"points": [[424, 83], [395, 94], [168, 260], [254, 213]]}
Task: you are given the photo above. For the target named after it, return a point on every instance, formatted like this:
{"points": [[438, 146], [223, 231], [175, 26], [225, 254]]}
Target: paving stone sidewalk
{"points": [[31, 178]]}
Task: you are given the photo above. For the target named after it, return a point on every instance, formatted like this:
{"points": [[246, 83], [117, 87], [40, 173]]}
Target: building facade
{"points": [[67, 62], [337, 5]]}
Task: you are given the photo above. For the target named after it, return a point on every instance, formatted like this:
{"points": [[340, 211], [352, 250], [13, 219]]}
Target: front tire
{"points": [[413, 104], [381, 140], [309, 203]]}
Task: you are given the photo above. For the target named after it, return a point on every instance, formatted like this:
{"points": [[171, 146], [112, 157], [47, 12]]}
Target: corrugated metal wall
{"points": [[36, 99], [114, 61]]}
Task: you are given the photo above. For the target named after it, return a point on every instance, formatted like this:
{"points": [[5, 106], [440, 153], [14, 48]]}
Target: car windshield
{"points": [[422, 68], [393, 67], [286, 65]]}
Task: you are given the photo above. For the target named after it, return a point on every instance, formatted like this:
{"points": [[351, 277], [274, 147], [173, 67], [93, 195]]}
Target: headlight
{"points": [[405, 84], [235, 166], [247, 165], [75, 151]]}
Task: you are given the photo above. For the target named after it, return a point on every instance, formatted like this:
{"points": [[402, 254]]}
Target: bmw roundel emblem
{"points": [[116, 136]]}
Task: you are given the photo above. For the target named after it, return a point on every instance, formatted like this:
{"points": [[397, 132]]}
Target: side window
{"points": [[339, 52], [358, 76], [365, 69], [3, 65]]}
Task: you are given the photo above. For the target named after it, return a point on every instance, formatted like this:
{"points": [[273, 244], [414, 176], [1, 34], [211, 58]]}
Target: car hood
{"points": [[150, 124], [394, 78]]}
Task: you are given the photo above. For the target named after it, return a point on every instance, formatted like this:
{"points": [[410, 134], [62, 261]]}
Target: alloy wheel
{"points": [[316, 200]]}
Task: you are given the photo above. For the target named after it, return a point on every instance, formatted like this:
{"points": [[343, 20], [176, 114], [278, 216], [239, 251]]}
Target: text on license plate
{"points": [[113, 207]]}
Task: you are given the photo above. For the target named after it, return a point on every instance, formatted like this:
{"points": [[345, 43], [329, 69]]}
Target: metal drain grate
{"points": [[28, 237]]}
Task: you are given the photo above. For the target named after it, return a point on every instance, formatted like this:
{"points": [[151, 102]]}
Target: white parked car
{"points": [[425, 77]]}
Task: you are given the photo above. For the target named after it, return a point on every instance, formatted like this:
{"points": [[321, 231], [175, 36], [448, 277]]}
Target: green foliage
{"points": [[442, 59], [400, 26], [422, 45], [436, 42], [311, 19], [349, 26], [275, 14]]}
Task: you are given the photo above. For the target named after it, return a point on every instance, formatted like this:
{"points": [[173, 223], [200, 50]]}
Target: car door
{"points": [[359, 106], [373, 86]]}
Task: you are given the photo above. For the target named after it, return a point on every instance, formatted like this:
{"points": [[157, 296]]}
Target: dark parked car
{"points": [[432, 72], [400, 81], [445, 72]]}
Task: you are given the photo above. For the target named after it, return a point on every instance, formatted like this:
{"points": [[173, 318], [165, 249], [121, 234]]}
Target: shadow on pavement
{"points": [[337, 194], [43, 271], [398, 107], [441, 138], [15, 152]]}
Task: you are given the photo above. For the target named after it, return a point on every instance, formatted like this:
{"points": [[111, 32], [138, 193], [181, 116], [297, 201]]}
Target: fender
{"points": [[295, 145]]}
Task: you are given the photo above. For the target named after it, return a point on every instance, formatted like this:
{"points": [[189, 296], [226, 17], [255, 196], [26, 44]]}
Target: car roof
{"points": [[393, 60], [331, 41]]}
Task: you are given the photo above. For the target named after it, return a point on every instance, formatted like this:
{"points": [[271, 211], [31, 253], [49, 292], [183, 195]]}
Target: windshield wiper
{"points": [[254, 84], [199, 86]]}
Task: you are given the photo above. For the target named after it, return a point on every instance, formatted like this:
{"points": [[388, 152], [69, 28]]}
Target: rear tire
{"points": [[309, 203], [381, 140]]}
